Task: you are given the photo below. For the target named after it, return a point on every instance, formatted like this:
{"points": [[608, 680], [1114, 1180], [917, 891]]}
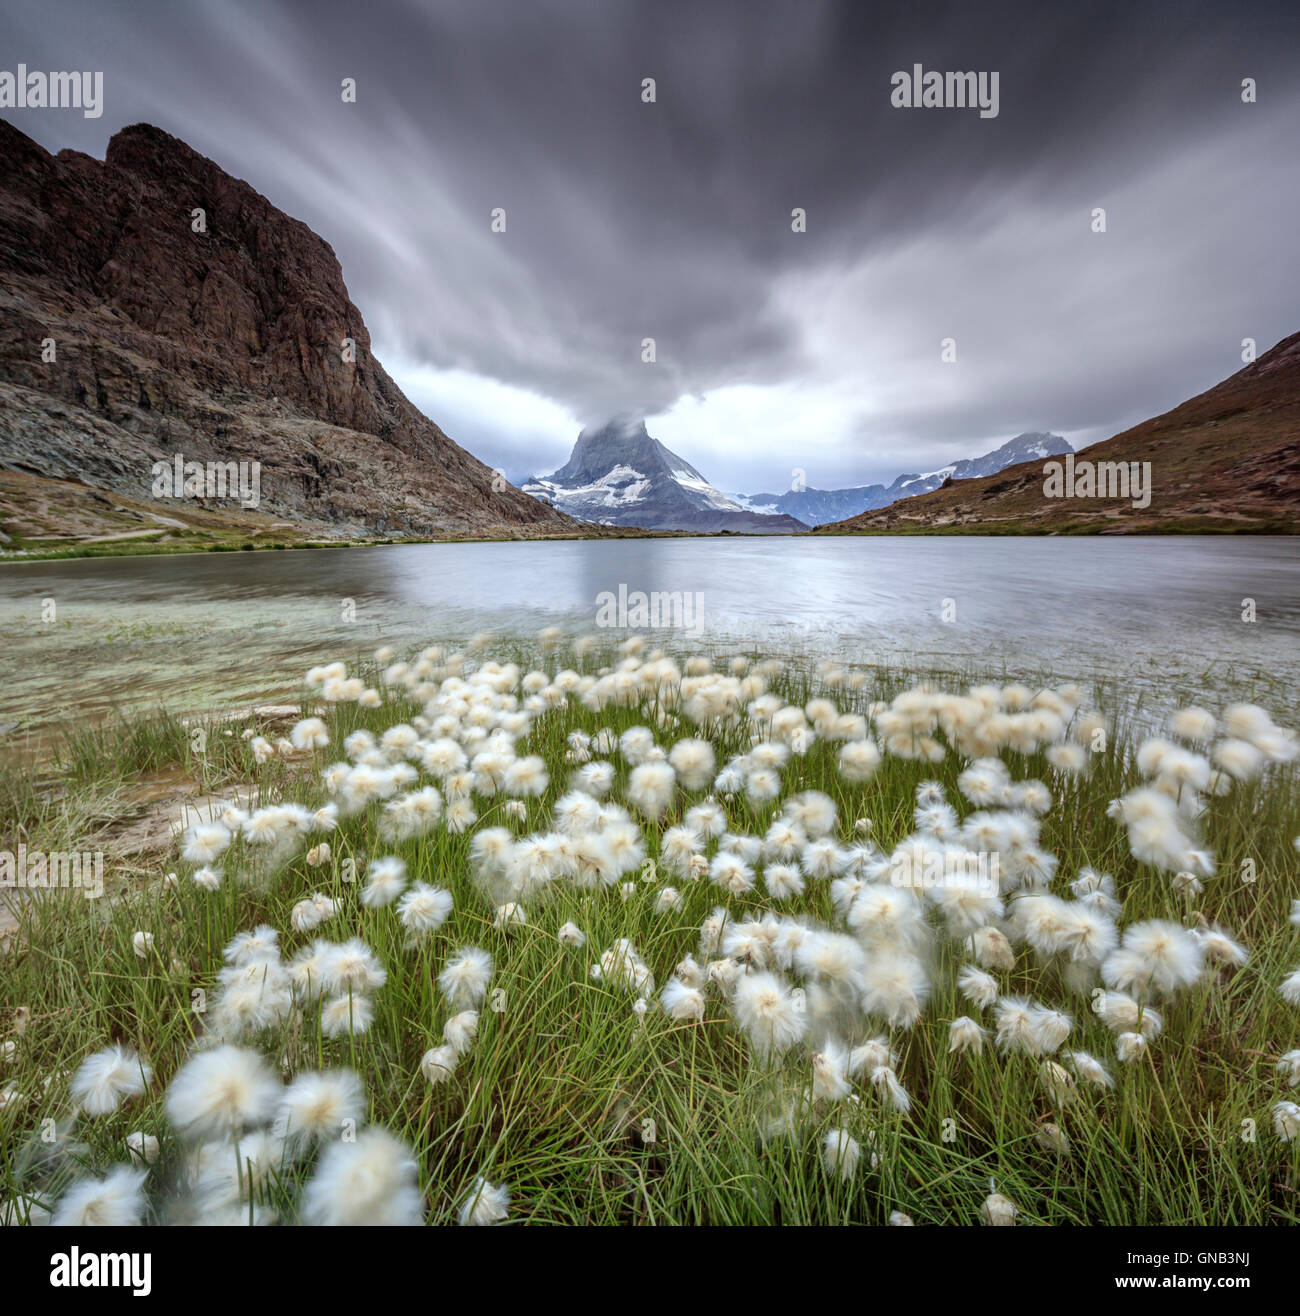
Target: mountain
{"points": [[221, 345], [618, 475], [1227, 460], [818, 506]]}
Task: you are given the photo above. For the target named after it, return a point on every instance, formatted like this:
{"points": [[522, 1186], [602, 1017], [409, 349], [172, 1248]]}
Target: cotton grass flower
{"points": [[1286, 1120], [1090, 1069], [650, 788], [694, 763], [465, 977], [386, 879], [351, 967], [485, 1203], [107, 1078], [255, 947], [508, 917], [439, 1063], [143, 1148], [1058, 1081], [371, 1181], [204, 842], [895, 988], [1156, 955], [460, 1030], [217, 1093], [771, 1017], [682, 1001], [309, 734], [570, 934], [965, 1034], [1130, 1047], [998, 1211], [423, 909], [115, 1200], [309, 914], [885, 1081], [319, 1106], [992, 950], [207, 878], [841, 1153], [345, 1016], [1220, 948]]}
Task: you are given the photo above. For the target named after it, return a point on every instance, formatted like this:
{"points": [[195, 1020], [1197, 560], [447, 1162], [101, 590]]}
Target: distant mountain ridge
{"points": [[619, 475], [819, 506], [1226, 460]]}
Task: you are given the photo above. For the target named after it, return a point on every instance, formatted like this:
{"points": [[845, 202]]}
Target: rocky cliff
{"points": [[223, 337]]}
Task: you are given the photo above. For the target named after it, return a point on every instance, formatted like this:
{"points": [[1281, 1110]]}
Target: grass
{"points": [[591, 1116]]}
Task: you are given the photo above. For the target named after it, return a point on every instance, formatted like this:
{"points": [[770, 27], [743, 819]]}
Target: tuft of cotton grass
{"points": [[965, 1034], [318, 1106], [373, 1180], [841, 1153], [771, 1016], [439, 1063], [465, 977], [109, 1077], [886, 1083], [345, 1016], [217, 1093], [830, 1072], [1286, 1120], [460, 1030], [1090, 1069], [1156, 955], [485, 1203], [1288, 1067], [386, 881], [143, 1147], [998, 1210], [115, 1200]]}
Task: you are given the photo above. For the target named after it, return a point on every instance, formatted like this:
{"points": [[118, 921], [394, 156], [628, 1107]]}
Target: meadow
{"points": [[573, 933]]}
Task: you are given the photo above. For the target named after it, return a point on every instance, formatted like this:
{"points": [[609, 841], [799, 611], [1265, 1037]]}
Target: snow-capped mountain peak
{"points": [[618, 474]]}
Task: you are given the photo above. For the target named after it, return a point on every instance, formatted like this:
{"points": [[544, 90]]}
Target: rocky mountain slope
{"points": [[817, 506], [618, 475], [1226, 460], [229, 344]]}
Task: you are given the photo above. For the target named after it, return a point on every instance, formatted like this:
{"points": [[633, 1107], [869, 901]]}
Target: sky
{"points": [[627, 219]]}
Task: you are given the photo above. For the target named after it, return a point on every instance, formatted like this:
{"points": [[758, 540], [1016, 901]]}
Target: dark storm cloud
{"points": [[672, 220]]}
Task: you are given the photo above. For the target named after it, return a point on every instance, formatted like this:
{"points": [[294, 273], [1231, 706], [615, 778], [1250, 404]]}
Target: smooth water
{"points": [[1162, 613]]}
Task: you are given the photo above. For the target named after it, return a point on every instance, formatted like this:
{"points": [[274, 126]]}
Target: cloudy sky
{"points": [[671, 220]]}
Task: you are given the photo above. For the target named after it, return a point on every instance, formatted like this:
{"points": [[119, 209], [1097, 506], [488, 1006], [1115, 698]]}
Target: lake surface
{"points": [[186, 631]]}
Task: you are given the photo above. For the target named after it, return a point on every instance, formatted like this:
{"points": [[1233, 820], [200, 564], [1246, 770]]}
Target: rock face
{"points": [[818, 506], [223, 345], [1227, 460], [618, 475]]}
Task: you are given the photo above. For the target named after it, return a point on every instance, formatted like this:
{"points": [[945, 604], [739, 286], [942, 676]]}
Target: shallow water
{"points": [[1163, 615]]}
